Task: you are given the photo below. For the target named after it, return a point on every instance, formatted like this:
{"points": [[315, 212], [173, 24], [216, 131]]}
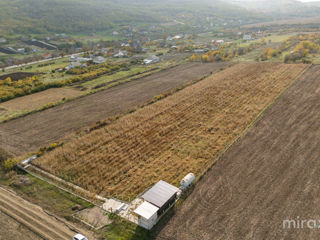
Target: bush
{"points": [[9, 164]]}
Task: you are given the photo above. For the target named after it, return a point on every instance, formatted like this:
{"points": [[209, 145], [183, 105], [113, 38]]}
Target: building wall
{"points": [[148, 224], [167, 205]]}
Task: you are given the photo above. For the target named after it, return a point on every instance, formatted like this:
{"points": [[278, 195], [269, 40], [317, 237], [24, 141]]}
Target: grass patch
{"points": [[121, 229], [46, 195]]}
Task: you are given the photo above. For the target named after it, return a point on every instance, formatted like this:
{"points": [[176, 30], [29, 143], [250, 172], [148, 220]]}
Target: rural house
{"points": [[73, 65], [247, 37], [150, 60], [99, 60], [120, 54]]}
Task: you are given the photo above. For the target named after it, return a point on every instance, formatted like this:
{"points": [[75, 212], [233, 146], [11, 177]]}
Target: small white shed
{"points": [[147, 215]]}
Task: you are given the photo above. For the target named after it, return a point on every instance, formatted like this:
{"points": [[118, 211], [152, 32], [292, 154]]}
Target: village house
{"points": [[104, 50], [21, 50], [120, 54], [247, 37], [33, 49], [199, 50], [177, 37], [47, 55], [150, 60], [99, 60], [219, 41], [75, 65]]}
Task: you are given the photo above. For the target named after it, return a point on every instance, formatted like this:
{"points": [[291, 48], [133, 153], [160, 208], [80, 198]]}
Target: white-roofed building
{"points": [[156, 201], [148, 215]]}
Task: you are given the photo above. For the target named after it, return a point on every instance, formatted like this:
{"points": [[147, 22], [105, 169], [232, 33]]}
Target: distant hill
{"points": [[42, 16], [316, 3], [281, 9]]}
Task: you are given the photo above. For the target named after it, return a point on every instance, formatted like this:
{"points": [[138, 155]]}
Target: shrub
{"points": [[9, 164]]}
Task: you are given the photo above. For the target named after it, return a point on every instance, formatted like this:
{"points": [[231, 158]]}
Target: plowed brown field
{"points": [[270, 175], [168, 139]]}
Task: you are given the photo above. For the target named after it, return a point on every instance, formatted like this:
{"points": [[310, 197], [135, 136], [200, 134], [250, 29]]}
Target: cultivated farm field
{"points": [[29, 133], [268, 176], [166, 140], [35, 101]]}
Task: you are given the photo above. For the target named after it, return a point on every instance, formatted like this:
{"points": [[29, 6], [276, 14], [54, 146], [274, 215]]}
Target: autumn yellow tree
{"points": [[8, 81]]}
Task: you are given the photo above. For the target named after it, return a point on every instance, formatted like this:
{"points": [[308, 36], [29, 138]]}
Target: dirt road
{"points": [[11, 229], [39, 129], [269, 176], [31, 217]]}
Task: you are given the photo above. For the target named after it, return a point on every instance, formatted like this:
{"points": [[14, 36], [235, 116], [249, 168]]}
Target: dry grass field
{"points": [[36, 101], [268, 176], [179, 134]]}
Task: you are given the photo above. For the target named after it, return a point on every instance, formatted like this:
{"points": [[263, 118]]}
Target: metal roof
{"points": [[146, 210], [160, 193]]}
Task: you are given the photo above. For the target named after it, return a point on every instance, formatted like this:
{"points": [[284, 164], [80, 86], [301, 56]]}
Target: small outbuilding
{"points": [[161, 195], [147, 215]]}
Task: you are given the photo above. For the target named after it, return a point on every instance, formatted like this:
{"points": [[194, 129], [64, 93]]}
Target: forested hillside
{"points": [[41, 16]]}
